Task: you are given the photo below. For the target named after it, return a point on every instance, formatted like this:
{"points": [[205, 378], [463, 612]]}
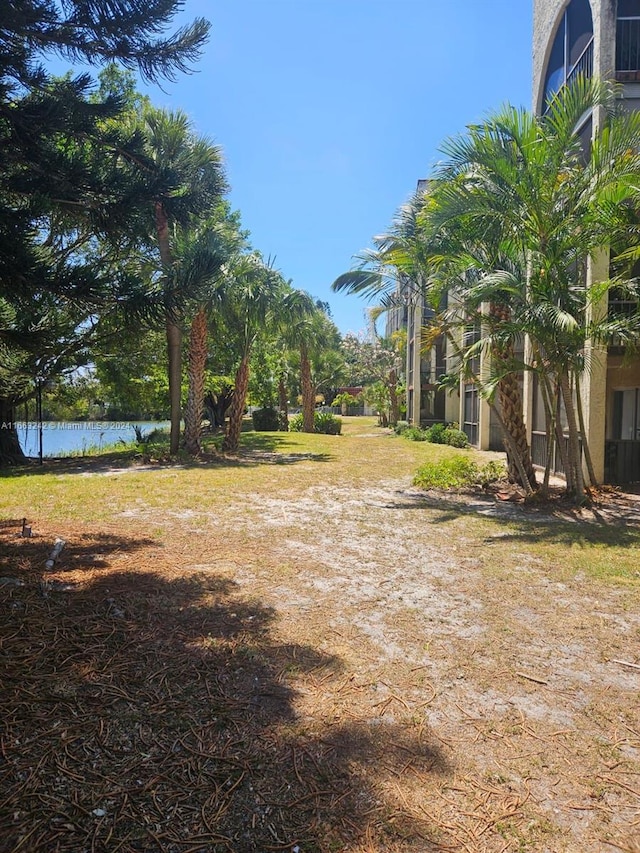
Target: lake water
{"points": [[63, 437]]}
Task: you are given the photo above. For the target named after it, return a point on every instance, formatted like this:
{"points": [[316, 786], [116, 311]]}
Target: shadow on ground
{"points": [[565, 533], [87, 551], [519, 523], [144, 712], [255, 449]]}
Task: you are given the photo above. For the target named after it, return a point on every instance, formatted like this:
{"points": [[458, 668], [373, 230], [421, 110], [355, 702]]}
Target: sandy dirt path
{"points": [[506, 676]]}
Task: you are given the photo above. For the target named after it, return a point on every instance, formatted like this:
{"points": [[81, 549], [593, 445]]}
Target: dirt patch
{"points": [[318, 669]]}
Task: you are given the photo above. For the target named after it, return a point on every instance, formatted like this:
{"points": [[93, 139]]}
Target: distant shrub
{"points": [[458, 472], [296, 423], [401, 427], [265, 420], [491, 473], [454, 473], [144, 439], [414, 433], [455, 437], [323, 422], [435, 433], [327, 423]]}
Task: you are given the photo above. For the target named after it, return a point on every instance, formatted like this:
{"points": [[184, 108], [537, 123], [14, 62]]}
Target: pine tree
{"points": [[69, 208]]}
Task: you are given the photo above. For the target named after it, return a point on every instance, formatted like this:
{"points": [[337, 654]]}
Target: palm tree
{"points": [[294, 314], [253, 290], [185, 180], [547, 205], [509, 219], [199, 256], [204, 255], [305, 328], [416, 261], [316, 335]]}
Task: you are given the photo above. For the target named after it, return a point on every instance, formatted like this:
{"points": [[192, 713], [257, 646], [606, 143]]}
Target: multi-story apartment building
{"points": [[593, 38], [427, 403], [571, 37]]}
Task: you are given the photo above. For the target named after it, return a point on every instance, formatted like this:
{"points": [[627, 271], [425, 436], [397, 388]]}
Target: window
{"points": [[628, 39], [626, 415], [572, 50], [471, 335], [471, 412]]}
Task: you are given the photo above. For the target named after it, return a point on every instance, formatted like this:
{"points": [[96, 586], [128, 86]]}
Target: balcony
{"points": [[564, 76], [628, 50]]}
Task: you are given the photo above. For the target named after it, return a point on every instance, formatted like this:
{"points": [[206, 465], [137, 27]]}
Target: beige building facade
{"points": [[593, 38], [570, 37]]}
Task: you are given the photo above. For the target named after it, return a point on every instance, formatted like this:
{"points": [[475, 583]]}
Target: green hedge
{"points": [[457, 473], [436, 434], [265, 420], [323, 422]]}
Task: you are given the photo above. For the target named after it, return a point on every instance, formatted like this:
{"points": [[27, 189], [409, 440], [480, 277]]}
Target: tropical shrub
{"points": [[415, 433], [491, 473], [435, 433], [296, 423], [454, 473], [458, 472], [455, 437], [265, 420], [323, 422]]}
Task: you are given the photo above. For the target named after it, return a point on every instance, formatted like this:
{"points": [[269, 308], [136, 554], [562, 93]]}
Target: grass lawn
{"points": [[296, 648]]}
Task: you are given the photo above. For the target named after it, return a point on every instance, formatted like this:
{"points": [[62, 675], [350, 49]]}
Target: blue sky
{"points": [[329, 111]]}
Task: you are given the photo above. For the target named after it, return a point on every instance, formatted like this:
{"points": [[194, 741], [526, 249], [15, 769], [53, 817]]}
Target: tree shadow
{"points": [[144, 712], [269, 447], [9, 523], [255, 449], [86, 551], [565, 533], [520, 523]]}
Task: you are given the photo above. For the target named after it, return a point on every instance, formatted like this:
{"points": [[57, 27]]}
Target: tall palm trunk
{"points": [[510, 445], [308, 393], [510, 399], [394, 402], [575, 455], [283, 404], [561, 445], [195, 397], [231, 440], [511, 406], [583, 433], [550, 404], [174, 334]]}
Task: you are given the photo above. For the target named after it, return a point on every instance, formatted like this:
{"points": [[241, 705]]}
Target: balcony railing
{"points": [[622, 308], [628, 49], [583, 67], [621, 462], [539, 452]]}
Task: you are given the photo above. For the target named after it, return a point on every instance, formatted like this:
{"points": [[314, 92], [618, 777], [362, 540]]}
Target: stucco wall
{"points": [[546, 14], [623, 373]]}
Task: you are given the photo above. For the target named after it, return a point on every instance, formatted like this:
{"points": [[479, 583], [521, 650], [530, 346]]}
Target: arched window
{"points": [[572, 50]]}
